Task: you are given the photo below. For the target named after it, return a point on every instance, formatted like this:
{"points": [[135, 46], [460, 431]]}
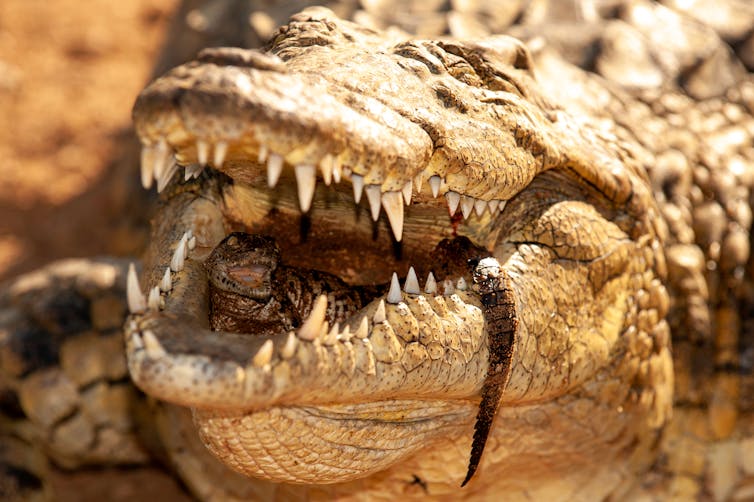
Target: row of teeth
{"points": [[158, 164], [315, 327]]}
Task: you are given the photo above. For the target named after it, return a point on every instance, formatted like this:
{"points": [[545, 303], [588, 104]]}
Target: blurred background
{"points": [[69, 73]]}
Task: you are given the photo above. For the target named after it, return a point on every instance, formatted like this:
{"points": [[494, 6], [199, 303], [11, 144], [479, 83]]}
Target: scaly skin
{"points": [[578, 240], [549, 365]]}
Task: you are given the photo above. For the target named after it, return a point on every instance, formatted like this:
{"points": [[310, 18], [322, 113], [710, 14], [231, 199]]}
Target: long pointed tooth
{"points": [[461, 284], [418, 180], [393, 204], [202, 151], [191, 243], [290, 346], [493, 205], [179, 255], [153, 301], [502, 205], [326, 166], [373, 196], [430, 286], [164, 162], [137, 302], [336, 172], [434, 183], [166, 284], [263, 357], [479, 206], [358, 187], [306, 178], [274, 168], [263, 153], [147, 166], [345, 335], [447, 287], [221, 148], [380, 315], [394, 295], [407, 189], [467, 204], [193, 171], [152, 345], [313, 324], [332, 336], [165, 177], [411, 286], [453, 199], [363, 330]]}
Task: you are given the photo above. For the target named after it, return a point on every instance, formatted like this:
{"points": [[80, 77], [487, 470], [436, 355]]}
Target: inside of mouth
{"points": [[338, 235]]}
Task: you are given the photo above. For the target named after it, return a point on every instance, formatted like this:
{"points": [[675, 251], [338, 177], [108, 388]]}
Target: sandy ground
{"points": [[69, 73]]}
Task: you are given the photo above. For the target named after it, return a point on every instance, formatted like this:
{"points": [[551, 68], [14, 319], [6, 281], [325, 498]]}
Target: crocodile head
{"points": [[362, 154]]}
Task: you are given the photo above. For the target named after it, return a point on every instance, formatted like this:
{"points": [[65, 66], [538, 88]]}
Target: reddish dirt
{"points": [[69, 73]]}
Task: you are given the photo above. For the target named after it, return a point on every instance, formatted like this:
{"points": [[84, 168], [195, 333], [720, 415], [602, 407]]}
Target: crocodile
{"points": [[584, 328]]}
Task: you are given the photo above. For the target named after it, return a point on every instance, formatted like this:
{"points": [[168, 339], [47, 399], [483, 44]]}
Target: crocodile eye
{"points": [[232, 241]]}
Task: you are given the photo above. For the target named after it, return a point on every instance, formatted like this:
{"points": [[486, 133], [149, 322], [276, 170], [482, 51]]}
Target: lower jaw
{"points": [[332, 443]]}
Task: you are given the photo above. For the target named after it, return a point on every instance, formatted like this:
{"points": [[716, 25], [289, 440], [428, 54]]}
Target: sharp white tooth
{"points": [[326, 166], [147, 166], [290, 346], [164, 162], [274, 168], [407, 189], [430, 286], [467, 204], [418, 180], [137, 302], [363, 330], [165, 177], [411, 286], [221, 148], [179, 255], [345, 335], [262, 155], [434, 184], [379, 314], [152, 345], [493, 205], [332, 336], [393, 204], [166, 284], [263, 357], [313, 324], [461, 284], [202, 152], [447, 287], [191, 243], [479, 206], [358, 187], [502, 205], [336, 172], [193, 171], [394, 295], [306, 178], [453, 199], [373, 196], [153, 301]]}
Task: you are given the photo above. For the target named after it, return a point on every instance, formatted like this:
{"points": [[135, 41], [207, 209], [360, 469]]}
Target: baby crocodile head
{"points": [[537, 335]]}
